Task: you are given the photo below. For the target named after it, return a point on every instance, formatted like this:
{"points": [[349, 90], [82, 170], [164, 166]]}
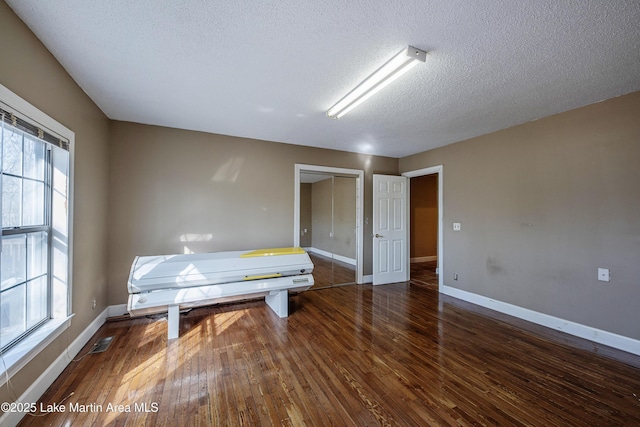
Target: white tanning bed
{"points": [[168, 283]]}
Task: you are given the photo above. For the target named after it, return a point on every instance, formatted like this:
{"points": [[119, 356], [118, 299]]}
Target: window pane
{"points": [[36, 301], [37, 254], [12, 152], [34, 158], [12, 313], [11, 201], [33, 203], [14, 263]]}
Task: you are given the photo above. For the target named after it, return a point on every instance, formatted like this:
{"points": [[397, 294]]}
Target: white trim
{"points": [[359, 175], [424, 258], [62, 234], [33, 115], [117, 310], [28, 348], [44, 381], [346, 260], [579, 330], [367, 279], [430, 171]]}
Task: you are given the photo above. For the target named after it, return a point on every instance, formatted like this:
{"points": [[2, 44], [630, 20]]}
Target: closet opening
{"points": [[328, 223]]}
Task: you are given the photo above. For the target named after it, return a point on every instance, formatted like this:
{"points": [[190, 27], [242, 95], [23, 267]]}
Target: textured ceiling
{"points": [[270, 69]]}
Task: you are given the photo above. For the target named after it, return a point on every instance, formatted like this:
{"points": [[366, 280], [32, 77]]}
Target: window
{"points": [[35, 262], [26, 199]]}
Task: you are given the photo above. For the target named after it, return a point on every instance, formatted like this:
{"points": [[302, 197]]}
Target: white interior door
{"points": [[390, 231]]}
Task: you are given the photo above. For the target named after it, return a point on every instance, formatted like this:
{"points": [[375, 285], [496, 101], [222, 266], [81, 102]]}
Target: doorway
{"points": [[425, 222], [328, 222]]}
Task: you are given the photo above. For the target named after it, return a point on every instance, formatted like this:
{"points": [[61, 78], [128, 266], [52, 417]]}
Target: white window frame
{"points": [[30, 346]]}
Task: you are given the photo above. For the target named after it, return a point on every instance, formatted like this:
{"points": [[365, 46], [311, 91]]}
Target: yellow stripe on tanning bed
{"points": [[262, 276], [273, 252]]}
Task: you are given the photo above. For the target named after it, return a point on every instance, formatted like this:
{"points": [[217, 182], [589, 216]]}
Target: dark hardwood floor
{"points": [[424, 273], [399, 354]]}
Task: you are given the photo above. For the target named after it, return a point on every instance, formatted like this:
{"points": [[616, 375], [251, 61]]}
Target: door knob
{"points": [[378, 236]]}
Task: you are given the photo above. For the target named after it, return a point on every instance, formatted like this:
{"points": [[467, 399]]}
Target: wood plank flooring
{"points": [[399, 354]]}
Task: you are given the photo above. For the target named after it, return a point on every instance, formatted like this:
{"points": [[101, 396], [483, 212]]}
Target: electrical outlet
{"points": [[603, 275], [94, 304], [455, 276], [456, 226]]}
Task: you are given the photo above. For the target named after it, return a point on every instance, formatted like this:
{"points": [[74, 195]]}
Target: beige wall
{"points": [[424, 216], [542, 206], [321, 194], [31, 72], [334, 213], [172, 189], [344, 216]]}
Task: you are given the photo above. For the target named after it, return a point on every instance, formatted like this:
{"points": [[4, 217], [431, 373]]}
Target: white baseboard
{"points": [[44, 381], [350, 261], [367, 278], [610, 339]]}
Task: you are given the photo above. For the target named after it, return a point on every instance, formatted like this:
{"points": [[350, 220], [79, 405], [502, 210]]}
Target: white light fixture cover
{"points": [[394, 68]]}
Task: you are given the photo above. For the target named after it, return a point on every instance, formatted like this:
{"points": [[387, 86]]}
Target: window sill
{"points": [[21, 354]]}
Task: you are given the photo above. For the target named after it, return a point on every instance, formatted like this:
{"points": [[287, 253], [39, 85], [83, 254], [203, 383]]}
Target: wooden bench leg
{"points": [[174, 321], [279, 302]]}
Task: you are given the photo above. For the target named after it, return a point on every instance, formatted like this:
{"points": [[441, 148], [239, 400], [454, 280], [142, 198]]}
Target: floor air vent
{"points": [[101, 345]]}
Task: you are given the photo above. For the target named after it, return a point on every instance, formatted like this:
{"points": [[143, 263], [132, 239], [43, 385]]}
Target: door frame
{"points": [[359, 177], [422, 172]]}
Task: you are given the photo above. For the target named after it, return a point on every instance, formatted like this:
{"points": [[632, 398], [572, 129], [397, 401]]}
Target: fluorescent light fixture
{"points": [[398, 65]]}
